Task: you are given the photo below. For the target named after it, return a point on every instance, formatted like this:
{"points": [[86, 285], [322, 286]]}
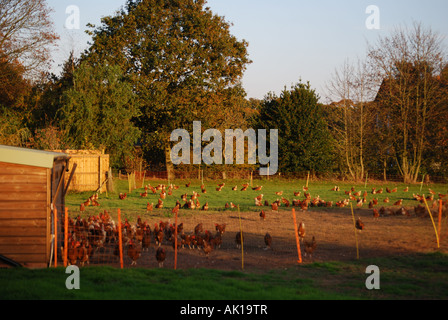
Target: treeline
{"points": [[156, 66]]}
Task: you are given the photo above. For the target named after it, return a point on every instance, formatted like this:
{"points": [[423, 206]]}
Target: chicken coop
{"points": [[32, 184]]}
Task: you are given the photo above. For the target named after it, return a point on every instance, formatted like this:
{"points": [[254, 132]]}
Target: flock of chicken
{"points": [[87, 236]]}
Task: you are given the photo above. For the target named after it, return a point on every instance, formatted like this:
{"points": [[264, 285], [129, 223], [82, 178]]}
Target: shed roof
{"points": [[29, 157]]}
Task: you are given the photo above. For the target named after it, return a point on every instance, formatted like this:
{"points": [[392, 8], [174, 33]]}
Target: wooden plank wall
{"points": [[24, 214], [90, 171]]}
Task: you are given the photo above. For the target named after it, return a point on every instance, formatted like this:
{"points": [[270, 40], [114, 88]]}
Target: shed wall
{"points": [[24, 213]]}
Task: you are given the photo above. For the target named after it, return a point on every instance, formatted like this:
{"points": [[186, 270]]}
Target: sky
{"points": [[289, 40]]}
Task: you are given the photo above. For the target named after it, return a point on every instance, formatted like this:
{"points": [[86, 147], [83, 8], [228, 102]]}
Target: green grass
{"points": [[136, 205], [409, 277]]}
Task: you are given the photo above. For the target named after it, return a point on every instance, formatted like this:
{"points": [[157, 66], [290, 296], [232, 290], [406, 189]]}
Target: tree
{"points": [[98, 112], [26, 33], [180, 58], [304, 140], [350, 117], [407, 64]]}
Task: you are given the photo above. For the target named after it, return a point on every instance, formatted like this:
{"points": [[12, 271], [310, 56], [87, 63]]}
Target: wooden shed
{"points": [[32, 183]]}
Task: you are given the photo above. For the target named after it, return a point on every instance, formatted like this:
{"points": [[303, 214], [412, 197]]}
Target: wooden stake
{"points": [[356, 234], [439, 229], [120, 239], [175, 243], [297, 236], [55, 220], [421, 185], [242, 245], [433, 223], [307, 179], [65, 237]]}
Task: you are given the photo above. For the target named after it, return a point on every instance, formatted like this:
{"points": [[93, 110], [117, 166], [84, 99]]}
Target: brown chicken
{"points": [[399, 202], [134, 252], [360, 225], [238, 237], [262, 215], [160, 256], [122, 196], [83, 255], [221, 228], [159, 205], [216, 241], [72, 253], [268, 241], [310, 247], [207, 248], [146, 241], [376, 214]]}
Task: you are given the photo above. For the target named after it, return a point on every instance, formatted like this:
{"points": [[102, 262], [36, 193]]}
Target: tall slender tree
{"points": [[407, 64]]}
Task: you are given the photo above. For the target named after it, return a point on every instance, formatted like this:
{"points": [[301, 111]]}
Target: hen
{"points": [[239, 236], [134, 252], [359, 225], [146, 241], [122, 196], [160, 256], [268, 241], [310, 247], [83, 255], [262, 215], [207, 248], [72, 253], [221, 228]]}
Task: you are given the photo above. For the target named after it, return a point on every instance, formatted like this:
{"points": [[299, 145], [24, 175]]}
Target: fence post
{"points": [[175, 243], [55, 221], [297, 236], [65, 237], [120, 239], [241, 235], [433, 223], [440, 216]]}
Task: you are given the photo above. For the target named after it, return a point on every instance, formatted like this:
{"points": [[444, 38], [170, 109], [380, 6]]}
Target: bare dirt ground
{"points": [[332, 228]]}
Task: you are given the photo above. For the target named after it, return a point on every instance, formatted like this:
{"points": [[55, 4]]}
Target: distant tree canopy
{"points": [[304, 140], [181, 59]]}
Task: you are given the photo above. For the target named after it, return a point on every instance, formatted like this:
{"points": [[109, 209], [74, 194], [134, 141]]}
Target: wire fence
{"points": [[210, 174], [95, 241], [233, 240]]}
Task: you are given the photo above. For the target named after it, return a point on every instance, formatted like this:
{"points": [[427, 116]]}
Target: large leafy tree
{"points": [[181, 60], [304, 139], [97, 112]]}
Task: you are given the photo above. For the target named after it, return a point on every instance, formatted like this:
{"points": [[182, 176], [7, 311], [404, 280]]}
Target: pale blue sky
{"points": [[288, 39]]}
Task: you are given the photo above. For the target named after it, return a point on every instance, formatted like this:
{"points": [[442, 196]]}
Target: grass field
{"points": [[136, 205], [421, 272], [412, 277]]}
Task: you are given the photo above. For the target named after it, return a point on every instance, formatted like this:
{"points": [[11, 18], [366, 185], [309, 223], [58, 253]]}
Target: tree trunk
{"points": [[169, 163]]}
